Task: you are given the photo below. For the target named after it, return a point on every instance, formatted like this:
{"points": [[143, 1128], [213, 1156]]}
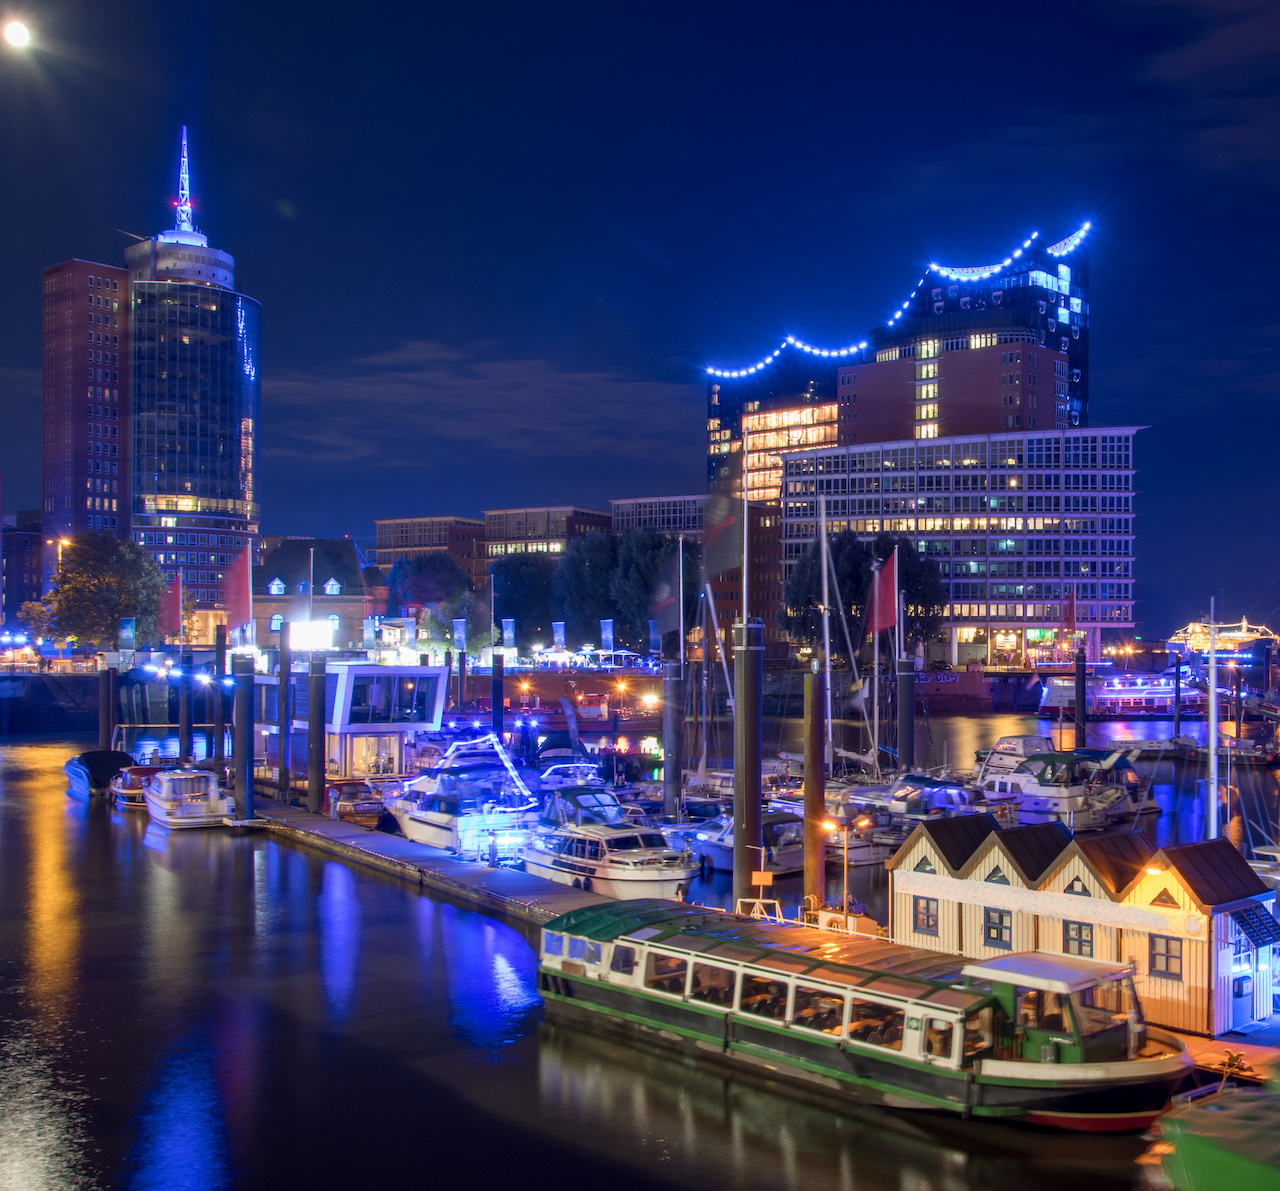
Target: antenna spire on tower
{"points": [[184, 190]]}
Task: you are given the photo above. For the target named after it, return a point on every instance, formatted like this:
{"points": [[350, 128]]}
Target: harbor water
{"points": [[207, 1009]]}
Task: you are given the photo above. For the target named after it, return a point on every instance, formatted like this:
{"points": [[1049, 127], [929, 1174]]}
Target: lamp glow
{"points": [[17, 34]]}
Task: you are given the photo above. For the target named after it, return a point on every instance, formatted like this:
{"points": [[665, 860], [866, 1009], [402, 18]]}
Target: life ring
{"points": [[1002, 811]]}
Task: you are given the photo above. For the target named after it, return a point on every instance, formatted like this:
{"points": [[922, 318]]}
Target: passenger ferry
{"points": [[187, 798], [1052, 1040], [621, 862], [1122, 696]]}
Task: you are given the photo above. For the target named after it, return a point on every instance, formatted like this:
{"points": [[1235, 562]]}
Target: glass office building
{"points": [[195, 412]]}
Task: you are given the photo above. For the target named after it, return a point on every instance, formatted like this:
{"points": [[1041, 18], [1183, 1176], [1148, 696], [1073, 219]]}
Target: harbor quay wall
{"points": [[67, 703]]}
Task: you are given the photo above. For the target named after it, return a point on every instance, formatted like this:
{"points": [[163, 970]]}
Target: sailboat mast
{"points": [[875, 667], [826, 607], [746, 515], [1211, 831]]}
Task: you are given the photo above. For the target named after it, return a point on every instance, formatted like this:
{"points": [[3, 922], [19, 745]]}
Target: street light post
{"points": [[843, 827]]}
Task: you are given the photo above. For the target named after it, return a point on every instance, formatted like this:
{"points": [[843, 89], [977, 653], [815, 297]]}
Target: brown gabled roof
{"points": [[1117, 859], [1214, 871], [960, 837], [1035, 847]]}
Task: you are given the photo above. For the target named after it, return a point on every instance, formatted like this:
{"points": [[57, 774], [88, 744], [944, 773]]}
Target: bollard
{"points": [[906, 714], [672, 731], [815, 788], [219, 695], [496, 694], [748, 717], [1081, 694], [284, 713], [242, 674], [186, 745], [315, 735]]}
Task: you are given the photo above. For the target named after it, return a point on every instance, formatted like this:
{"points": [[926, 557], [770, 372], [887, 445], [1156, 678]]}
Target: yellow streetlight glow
{"points": [[17, 34]]}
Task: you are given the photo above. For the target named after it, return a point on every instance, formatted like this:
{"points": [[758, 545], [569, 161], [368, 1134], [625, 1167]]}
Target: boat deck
{"points": [[508, 891]]}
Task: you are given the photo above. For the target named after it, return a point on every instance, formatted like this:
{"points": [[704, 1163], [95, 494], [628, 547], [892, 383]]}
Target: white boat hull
{"points": [[177, 815], [622, 888]]}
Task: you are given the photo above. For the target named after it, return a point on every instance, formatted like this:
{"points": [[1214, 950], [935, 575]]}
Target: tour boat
{"points": [[620, 862], [781, 833], [1227, 1140], [1122, 696], [474, 802], [129, 787], [187, 798], [91, 773], [1047, 1039]]}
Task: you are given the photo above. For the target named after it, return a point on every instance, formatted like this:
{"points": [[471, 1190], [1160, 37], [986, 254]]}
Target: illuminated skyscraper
{"points": [[194, 409]]}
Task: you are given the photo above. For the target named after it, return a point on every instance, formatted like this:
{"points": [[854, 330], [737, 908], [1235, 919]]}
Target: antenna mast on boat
{"points": [[1212, 741]]}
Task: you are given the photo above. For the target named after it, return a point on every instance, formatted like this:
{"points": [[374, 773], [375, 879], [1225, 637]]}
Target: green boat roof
{"points": [[844, 959]]}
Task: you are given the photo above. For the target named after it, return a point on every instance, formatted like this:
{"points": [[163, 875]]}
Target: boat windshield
{"points": [[1058, 772], [1105, 1005], [628, 843]]}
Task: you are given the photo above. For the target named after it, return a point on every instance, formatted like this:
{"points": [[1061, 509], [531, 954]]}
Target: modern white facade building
{"points": [[1017, 522]]}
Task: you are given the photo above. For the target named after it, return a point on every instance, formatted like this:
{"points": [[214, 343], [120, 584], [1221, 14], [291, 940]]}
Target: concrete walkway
{"points": [[1260, 1051], [504, 890]]}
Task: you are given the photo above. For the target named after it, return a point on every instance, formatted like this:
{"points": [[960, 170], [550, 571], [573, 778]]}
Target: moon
{"points": [[17, 34]]}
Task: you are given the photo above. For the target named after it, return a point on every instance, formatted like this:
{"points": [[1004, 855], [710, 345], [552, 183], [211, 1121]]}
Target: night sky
{"points": [[495, 244]]}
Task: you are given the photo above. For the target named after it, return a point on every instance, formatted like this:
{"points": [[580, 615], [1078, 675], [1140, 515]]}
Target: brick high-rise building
{"points": [[85, 460], [972, 350]]}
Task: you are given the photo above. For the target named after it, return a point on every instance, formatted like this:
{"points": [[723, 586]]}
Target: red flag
{"points": [[171, 608], [1069, 612], [884, 594], [239, 596]]}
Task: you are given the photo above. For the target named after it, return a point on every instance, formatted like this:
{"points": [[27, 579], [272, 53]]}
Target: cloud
{"points": [[397, 407]]}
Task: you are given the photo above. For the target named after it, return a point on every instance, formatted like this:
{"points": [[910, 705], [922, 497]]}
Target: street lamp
{"points": [[843, 828]]}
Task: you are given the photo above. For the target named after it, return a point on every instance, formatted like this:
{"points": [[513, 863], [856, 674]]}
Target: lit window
{"points": [[276, 587], [332, 588], [334, 619], [1077, 939], [277, 623], [997, 928], [926, 915]]}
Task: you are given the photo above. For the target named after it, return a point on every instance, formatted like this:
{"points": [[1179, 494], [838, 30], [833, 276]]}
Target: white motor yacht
{"points": [[1086, 789], [781, 833], [474, 802], [570, 773], [621, 862], [187, 798]]}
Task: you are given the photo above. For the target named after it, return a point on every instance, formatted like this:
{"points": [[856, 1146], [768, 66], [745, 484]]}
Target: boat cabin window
{"points": [[584, 949], [585, 849], [1105, 1005], [818, 1009], [764, 997], [713, 985], [1039, 1009], [979, 1033], [665, 973], [939, 1037], [876, 1023], [552, 943], [628, 843], [624, 960]]}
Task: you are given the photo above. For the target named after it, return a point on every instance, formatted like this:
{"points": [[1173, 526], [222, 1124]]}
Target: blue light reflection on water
{"points": [[339, 924], [181, 1144], [489, 973]]}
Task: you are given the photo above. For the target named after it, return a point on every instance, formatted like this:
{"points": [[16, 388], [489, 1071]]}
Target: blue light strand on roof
{"points": [[960, 273], [790, 341]]}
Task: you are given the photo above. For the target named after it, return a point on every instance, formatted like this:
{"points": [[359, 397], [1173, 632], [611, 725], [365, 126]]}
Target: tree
{"points": [[641, 558], [103, 580], [920, 579], [522, 590], [581, 586], [37, 615], [426, 580]]}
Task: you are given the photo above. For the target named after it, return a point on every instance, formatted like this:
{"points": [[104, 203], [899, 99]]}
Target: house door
{"points": [[1243, 974]]}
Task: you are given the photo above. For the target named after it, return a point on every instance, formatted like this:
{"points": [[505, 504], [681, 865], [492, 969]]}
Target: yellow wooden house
{"points": [[1194, 920]]}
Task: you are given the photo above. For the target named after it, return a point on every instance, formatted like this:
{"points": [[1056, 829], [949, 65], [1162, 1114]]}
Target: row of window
{"points": [[277, 587], [1165, 955], [276, 623]]}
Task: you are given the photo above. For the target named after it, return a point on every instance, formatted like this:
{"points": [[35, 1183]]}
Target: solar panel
{"points": [[1258, 924]]}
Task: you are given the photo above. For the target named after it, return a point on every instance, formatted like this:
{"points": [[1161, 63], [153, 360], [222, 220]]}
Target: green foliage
{"points": [[580, 587], [851, 557], [102, 581], [522, 589], [429, 579], [641, 556], [37, 616]]}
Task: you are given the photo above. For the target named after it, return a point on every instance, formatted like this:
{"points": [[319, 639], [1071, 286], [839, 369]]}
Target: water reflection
{"points": [[338, 920], [181, 1144]]}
